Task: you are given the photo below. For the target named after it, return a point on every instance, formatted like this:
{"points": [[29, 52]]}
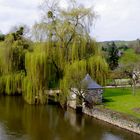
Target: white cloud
{"points": [[17, 12], [118, 19]]}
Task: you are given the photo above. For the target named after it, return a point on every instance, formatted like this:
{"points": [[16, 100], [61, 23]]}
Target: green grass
{"points": [[122, 100]]}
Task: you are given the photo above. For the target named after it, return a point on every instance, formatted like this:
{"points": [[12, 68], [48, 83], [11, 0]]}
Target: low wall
{"points": [[115, 118], [119, 119]]}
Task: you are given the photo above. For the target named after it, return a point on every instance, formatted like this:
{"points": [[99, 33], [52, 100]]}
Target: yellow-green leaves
{"points": [[98, 69], [12, 83]]}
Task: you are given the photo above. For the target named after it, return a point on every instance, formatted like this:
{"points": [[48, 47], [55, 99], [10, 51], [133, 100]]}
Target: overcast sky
{"points": [[118, 19]]}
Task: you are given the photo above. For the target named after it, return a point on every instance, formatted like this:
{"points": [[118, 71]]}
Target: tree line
{"points": [[57, 56]]}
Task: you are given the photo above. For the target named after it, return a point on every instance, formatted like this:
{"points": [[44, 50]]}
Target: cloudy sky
{"points": [[118, 19]]}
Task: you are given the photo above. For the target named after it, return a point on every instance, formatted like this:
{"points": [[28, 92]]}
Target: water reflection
{"points": [[75, 120], [108, 136], [20, 121]]}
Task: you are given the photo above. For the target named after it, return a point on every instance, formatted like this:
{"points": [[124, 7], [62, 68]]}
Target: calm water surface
{"points": [[20, 121]]}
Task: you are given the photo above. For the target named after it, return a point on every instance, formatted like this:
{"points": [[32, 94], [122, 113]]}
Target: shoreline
{"points": [[121, 120], [118, 119]]}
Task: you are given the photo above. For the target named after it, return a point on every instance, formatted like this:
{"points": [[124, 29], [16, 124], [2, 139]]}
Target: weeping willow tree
{"points": [[75, 72], [73, 75], [12, 62], [11, 84], [98, 67], [69, 48], [36, 81]]}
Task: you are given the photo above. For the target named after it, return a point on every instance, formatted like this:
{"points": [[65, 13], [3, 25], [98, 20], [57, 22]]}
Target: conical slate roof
{"points": [[91, 84]]}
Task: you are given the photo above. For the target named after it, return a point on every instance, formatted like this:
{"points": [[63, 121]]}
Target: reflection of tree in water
{"points": [[10, 116], [23, 121]]}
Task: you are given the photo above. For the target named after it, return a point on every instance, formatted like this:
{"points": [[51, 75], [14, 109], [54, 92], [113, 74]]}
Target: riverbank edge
{"points": [[121, 120], [115, 118]]}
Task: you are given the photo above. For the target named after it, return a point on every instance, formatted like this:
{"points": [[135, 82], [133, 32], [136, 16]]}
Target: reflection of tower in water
{"points": [[76, 120]]}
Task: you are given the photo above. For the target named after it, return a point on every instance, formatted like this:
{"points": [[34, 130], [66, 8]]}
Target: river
{"points": [[20, 121]]}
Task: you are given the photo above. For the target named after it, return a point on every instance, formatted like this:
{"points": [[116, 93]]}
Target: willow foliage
{"points": [[12, 63], [11, 84], [95, 65], [98, 69], [36, 80], [43, 67], [73, 75]]}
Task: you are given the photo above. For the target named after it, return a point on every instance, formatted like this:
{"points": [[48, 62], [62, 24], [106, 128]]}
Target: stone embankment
{"points": [[115, 118], [119, 119]]}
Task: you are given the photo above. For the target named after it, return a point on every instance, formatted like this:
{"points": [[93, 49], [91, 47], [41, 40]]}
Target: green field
{"points": [[122, 100]]}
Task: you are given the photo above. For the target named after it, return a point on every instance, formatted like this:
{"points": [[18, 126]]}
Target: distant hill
{"points": [[119, 43]]}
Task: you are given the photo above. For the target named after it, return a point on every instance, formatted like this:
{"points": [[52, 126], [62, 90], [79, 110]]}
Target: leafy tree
{"points": [[74, 74], [2, 36], [12, 62], [64, 25], [65, 33], [130, 65], [113, 56]]}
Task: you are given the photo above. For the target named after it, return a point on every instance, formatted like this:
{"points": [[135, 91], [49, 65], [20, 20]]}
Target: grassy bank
{"points": [[122, 100]]}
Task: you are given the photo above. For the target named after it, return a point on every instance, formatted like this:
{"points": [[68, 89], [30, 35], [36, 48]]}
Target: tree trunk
{"points": [[134, 86]]}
